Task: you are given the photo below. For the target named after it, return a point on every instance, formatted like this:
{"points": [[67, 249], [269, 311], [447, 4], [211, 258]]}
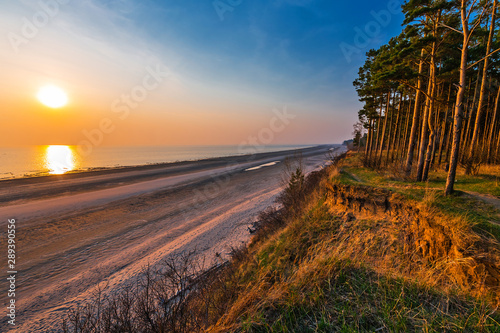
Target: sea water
{"points": [[59, 159]]}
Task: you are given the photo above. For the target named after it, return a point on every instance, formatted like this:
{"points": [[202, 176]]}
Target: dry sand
{"points": [[77, 231]]}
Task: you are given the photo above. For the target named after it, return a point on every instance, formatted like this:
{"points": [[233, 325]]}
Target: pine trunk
{"points": [[395, 138], [389, 144], [482, 94], [382, 140], [424, 137], [459, 109], [416, 116], [445, 123], [432, 132], [493, 125]]}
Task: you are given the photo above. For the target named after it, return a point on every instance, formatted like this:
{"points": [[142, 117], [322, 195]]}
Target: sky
{"points": [[188, 72]]}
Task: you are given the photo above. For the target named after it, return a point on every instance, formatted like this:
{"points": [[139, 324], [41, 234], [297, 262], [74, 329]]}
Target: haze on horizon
{"points": [[185, 73]]}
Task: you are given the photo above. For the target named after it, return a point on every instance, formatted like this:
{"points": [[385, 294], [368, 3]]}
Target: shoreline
{"points": [[96, 171], [32, 188]]}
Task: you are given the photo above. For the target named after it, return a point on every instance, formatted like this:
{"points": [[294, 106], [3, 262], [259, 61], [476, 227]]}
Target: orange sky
{"points": [[145, 92]]}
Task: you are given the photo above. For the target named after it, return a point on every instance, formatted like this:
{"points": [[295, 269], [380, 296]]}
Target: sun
{"points": [[52, 96]]}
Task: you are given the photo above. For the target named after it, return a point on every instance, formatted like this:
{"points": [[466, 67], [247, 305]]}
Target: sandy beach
{"points": [[79, 230]]}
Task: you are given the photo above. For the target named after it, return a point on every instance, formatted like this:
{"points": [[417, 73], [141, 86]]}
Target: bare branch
{"points": [[447, 26], [479, 19], [477, 62], [413, 87], [443, 38], [470, 10]]}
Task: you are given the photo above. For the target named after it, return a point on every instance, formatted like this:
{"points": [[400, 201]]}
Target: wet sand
{"points": [[78, 230]]}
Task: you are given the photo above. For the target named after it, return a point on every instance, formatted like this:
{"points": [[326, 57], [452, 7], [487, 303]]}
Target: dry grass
{"points": [[490, 169], [430, 197], [334, 172], [402, 236], [338, 273]]}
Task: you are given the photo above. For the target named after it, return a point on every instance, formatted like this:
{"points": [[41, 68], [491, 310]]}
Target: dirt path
{"points": [[65, 253], [489, 199]]}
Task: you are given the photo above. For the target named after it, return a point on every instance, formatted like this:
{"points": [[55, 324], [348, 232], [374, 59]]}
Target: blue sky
{"points": [[230, 63]]}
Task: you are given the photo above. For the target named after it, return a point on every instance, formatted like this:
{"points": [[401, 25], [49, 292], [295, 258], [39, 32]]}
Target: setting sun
{"points": [[59, 159], [52, 96]]}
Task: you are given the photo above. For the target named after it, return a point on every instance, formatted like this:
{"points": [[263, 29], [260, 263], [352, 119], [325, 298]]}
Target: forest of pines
{"points": [[431, 94]]}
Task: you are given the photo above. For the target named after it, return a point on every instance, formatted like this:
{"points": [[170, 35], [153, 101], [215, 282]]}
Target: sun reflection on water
{"points": [[60, 159]]}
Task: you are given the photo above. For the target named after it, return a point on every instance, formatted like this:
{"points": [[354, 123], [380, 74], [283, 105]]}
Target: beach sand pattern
{"points": [[103, 227]]}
